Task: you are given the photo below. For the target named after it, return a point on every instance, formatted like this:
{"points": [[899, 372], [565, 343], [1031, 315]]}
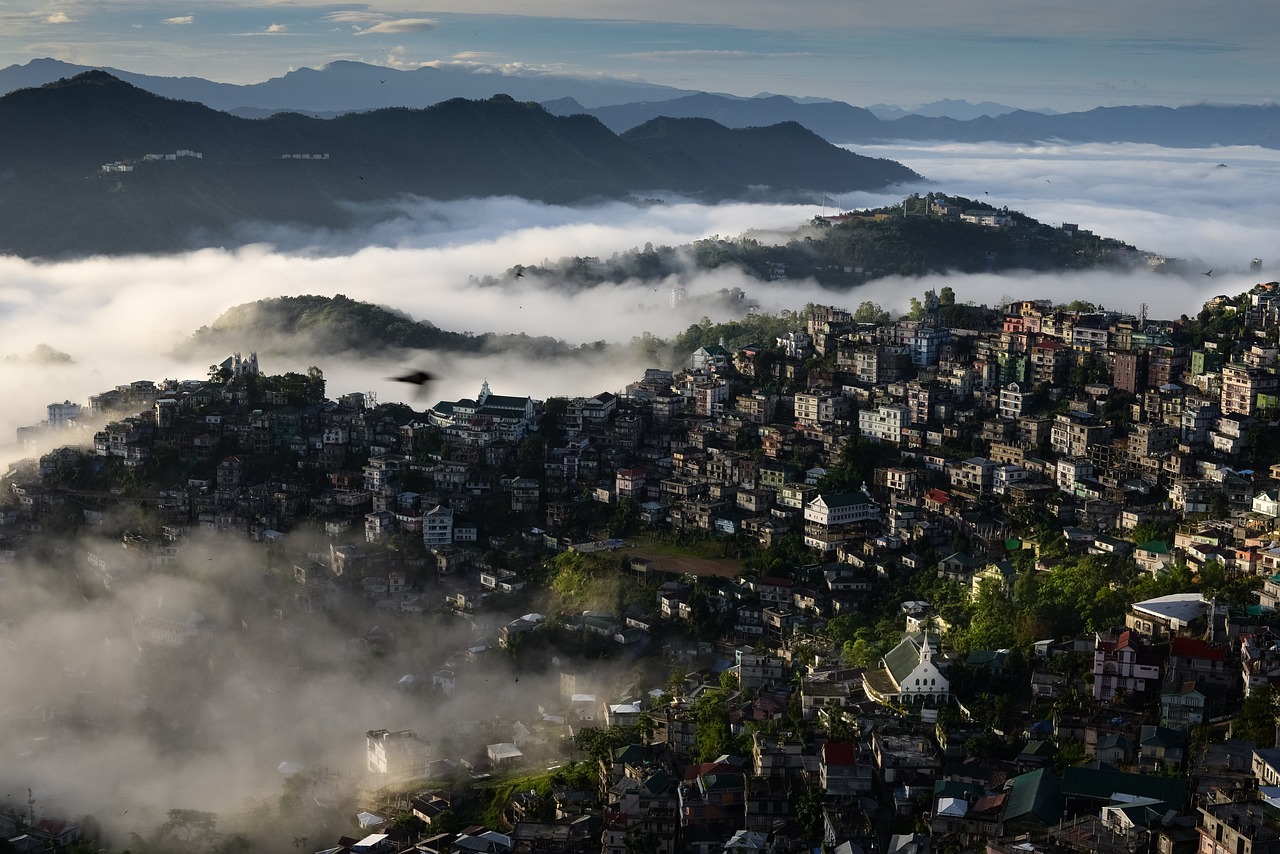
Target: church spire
{"points": [[484, 392]]}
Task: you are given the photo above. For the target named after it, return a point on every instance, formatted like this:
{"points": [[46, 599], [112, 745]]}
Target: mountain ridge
{"points": [[92, 164], [348, 86]]}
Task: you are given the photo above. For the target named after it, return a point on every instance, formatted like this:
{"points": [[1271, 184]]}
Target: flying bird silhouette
{"points": [[418, 378], [1209, 272], [519, 272]]}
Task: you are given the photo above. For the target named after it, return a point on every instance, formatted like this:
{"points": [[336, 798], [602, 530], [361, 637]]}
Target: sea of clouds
{"points": [[120, 318]]}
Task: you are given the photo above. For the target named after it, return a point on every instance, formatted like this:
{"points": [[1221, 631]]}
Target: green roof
{"points": [[904, 657], [1099, 784], [1159, 547], [658, 783], [1042, 749], [632, 754], [986, 658], [1037, 794]]}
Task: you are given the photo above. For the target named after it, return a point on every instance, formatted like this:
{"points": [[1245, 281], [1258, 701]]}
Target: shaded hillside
{"points": [[786, 155], [58, 137], [329, 326], [883, 243]]}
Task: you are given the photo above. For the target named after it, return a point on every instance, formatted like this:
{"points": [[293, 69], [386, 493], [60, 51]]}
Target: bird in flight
{"points": [[1209, 272], [415, 378], [519, 272]]}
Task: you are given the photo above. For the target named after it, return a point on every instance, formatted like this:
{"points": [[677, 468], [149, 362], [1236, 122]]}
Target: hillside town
{"points": [[999, 579]]}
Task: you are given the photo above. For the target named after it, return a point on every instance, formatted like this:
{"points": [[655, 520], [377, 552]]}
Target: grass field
{"points": [[695, 560]]}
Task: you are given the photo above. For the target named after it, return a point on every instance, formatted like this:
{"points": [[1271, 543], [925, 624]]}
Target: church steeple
{"points": [[484, 392]]}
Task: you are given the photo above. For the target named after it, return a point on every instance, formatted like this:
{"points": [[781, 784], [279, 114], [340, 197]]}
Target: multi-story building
{"points": [[1073, 433], [1130, 371], [1122, 663], [1238, 828], [1050, 363], [437, 527], [1241, 385], [397, 754], [884, 423]]}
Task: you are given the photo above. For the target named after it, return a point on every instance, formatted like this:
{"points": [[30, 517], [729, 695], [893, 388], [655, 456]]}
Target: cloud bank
{"points": [[119, 318]]}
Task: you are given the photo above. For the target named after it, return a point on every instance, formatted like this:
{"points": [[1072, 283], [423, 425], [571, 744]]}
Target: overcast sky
{"points": [[1062, 56]]}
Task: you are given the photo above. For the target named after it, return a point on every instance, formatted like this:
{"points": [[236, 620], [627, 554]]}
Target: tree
{"points": [[711, 726], [870, 312], [600, 743], [1257, 719], [315, 385], [858, 653], [809, 813]]}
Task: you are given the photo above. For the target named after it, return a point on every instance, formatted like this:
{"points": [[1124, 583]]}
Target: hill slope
{"points": [[59, 136]]}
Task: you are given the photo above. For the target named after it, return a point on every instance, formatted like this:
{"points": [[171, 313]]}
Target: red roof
{"points": [[1195, 648], [938, 496], [838, 753]]}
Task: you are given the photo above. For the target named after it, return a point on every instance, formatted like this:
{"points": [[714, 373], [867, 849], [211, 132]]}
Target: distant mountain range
{"points": [[351, 86], [179, 174], [1197, 126], [621, 104], [948, 107]]}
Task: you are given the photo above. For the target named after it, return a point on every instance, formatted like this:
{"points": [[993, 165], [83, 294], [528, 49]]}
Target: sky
{"points": [[1061, 56]]}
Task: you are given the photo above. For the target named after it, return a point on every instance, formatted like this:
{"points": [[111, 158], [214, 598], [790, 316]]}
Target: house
{"points": [[839, 772], [504, 754], [1153, 556], [397, 754], [1122, 664], [1165, 616], [1205, 664], [1182, 705], [1161, 749]]}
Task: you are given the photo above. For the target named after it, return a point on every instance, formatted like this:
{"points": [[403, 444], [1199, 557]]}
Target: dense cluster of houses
{"points": [[1113, 422]]}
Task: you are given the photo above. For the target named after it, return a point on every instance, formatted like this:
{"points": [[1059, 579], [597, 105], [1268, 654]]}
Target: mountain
{"points": [[833, 120], [1195, 126], [332, 326], [58, 138], [949, 107], [346, 86]]}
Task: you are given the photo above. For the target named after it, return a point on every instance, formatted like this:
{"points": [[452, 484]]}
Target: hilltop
{"points": [[330, 326], [96, 165]]}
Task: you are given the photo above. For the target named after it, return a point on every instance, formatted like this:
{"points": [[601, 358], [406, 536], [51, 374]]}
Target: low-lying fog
{"points": [[119, 319]]}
